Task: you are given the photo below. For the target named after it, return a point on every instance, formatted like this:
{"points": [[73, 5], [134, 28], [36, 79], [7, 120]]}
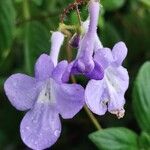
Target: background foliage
{"points": [[24, 34]]}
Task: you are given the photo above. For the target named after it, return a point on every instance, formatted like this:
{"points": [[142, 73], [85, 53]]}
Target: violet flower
{"points": [[108, 93], [97, 42], [44, 97], [84, 62]]}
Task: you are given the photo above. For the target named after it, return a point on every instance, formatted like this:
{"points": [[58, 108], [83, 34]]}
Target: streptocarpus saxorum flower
{"points": [[45, 96], [108, 93], [84, 62]]}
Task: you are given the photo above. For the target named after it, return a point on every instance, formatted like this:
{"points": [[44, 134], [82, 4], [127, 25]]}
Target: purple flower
{"points": [[84, 62], [108, 93], [44, 97], [97, 42]]}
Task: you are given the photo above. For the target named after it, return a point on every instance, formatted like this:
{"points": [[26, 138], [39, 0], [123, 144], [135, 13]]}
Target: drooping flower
{"points": [[44, 97], [84, 62], [108, 93]]}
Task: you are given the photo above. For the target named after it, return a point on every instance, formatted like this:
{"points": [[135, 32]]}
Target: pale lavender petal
{"points": [[40, 127], [116, 105], [98, 44], [44, 67], [117, 80], [85, 25], [94, 8], [116, 102], [96, 97], [21, 91], [103, 57], [70, 99], [61, 72], [119, 52], [57, 40]]}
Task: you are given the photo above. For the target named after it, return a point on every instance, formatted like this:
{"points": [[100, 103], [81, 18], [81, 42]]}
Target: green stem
{"points": [[92, 118], [26, 14], [78, 14]]}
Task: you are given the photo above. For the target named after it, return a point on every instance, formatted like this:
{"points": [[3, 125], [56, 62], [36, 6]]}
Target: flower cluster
{"points": [[48, 94]]}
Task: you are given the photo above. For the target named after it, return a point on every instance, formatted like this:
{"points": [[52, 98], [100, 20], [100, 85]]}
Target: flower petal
{"points": [[116, 104], [95, 96], [61, 72], [21, 90], [98, 44], [97, 73], [40, 127], [44, 67], [104, 57], [85, 25], [70, 99], [119, 52], [57, 40], [94, 8], [117, 80]]}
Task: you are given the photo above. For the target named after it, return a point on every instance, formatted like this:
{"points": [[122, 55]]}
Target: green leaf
{"points": [[115, 139], [7, 25], [36, 42], [146, 3], [111, 5], [38, 2], [141, 97], [144, 141]]}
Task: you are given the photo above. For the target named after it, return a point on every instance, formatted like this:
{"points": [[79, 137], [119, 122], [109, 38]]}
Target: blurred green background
{"points": [[25, 27]]}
